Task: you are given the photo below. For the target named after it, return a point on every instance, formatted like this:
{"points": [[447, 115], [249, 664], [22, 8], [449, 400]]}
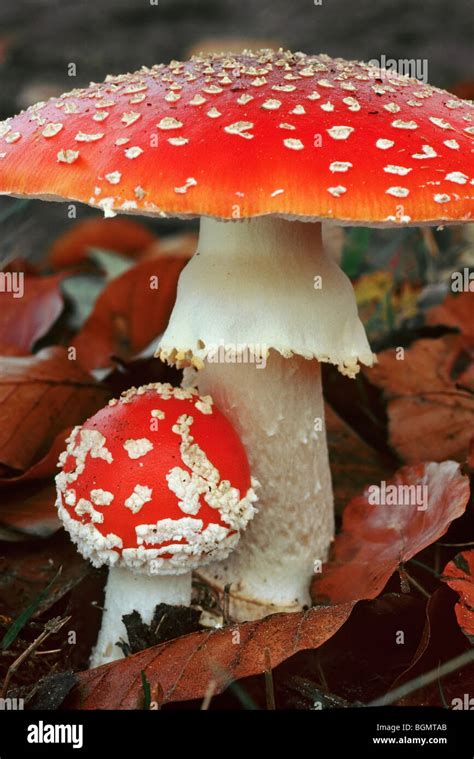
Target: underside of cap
{"points": [[297, 136], [260, 285]]}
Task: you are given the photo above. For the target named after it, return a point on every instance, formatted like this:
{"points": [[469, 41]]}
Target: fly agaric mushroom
{"points": [[153, 486], [258, 145]]}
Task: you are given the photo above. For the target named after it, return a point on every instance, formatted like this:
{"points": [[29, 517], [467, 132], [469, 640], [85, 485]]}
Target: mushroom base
{"points": [[126, 592], [279, 414]]}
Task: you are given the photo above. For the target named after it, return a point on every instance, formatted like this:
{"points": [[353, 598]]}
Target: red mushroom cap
{"points": [[251, 134], [158, 481]]}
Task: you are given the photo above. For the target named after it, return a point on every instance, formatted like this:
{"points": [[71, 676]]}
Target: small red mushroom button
{"points": [[158, 481], [153, 486]]}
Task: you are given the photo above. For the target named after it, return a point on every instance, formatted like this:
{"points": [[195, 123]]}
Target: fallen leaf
{"points": [[27, 500], [120, 235], [184, 667], [455, 311], [23, 320], [26, 569], [361, 660], [459, 575], [373, 287], [45, 468], [376, 539], [441, 641], [130, 313], [40, 395], [30, 509], [430, 396], [354, 464]]}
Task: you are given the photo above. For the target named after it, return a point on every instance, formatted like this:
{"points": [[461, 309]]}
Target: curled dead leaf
{"points": [[354, 463], [120, 235], [459, 575], [183, 668], [455, 311], [377, 537], [41, 395], [133, 309], [23, 320], [430, 394]]}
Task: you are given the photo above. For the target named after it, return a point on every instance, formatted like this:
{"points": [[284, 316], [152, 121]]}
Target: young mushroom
{"points": [[258, 145], [153, 486]]}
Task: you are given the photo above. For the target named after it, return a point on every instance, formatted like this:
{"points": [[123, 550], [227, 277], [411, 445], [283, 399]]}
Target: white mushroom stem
{"points": [[258, 307], [126, 592], [279, 414]]}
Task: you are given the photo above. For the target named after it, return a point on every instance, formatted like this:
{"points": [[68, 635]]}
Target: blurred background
{"points": [[40, 39]]}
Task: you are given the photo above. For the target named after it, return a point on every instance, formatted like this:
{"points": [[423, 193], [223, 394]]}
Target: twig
{"points": [[426, 679], [411, 581], [456, 545], [225, 605], [324, 682], [269, 687], [210, 690], [416, 584], [25, 616], [424, 566], [51, 627]]}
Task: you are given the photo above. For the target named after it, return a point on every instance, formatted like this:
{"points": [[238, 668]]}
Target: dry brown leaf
{"points": [[377, 538], [119, 235], [129, 313], [430, 397], [184, 667], [24, 320], [27, 568], [30, 509], [441, 641], [354, 464], [459, 575], [456, 311], [40, 396], [27, 500]]}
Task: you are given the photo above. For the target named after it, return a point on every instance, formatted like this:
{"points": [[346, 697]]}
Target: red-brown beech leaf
{"points": [[119, 235], [430, 397], [184, 667], [30, 509], [441, 641], [354, 464], [27, 501], [45, 468], [375, 538], [40, 395], [459, 575], [130, 313], [27, 568], [455, 311], [23, 320]]}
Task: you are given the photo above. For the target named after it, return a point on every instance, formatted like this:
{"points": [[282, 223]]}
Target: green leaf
{"points": [[389, 312], [146, 691], [462, 564], [12, 632], [355, 249]]}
